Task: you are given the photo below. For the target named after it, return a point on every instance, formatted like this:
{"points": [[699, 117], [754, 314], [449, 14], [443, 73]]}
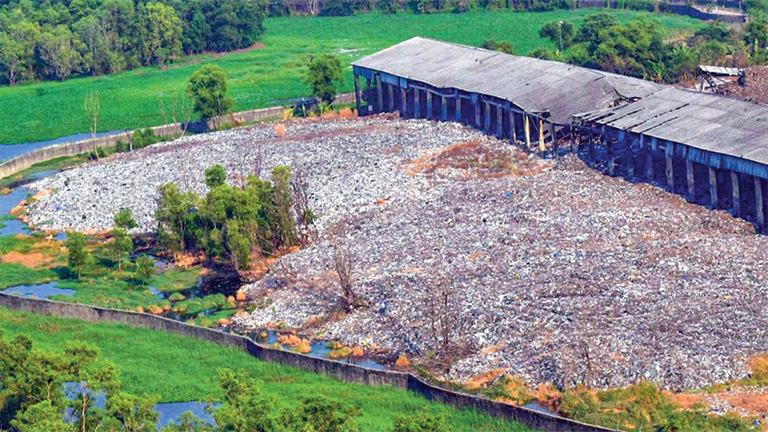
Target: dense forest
{"points": [[56, 39]]}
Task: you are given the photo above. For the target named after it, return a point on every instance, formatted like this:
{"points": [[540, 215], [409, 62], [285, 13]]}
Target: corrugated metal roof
{"points": [[719, 70], [704, 121], [532, 84]]}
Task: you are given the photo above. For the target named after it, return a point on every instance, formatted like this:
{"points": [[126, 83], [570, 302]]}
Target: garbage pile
{"points": [[548, 270]]}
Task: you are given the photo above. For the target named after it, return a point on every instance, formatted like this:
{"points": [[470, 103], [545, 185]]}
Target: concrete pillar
{"points": [[379, 95], [713, 187], [499, 122], [691, 180], [648, 158], [735, 194], [478, 121], [487, 127], [458, 108], [759, 204], [416, 106], [403, 102], [429, 96], [444, 107], [357, 93], [391, 96], [669, 151]]}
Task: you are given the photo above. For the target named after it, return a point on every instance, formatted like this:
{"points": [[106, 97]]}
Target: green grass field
{"points": [[181, 369], [41, 111]]}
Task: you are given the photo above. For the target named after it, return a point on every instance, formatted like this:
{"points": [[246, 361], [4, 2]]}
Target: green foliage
{"points": [[145, 269], [208, 89], [244, 408], [121, 245], [561, 33], [77, 254], [322, 414], [337, 8], [215, 176], [124, 219], [144, 137], [12, 274], [174, 216], [716, 31], [420, 422], [324, 75], [501, 46]]}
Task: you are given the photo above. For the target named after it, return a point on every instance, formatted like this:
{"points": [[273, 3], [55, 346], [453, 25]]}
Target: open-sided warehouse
{"points": [[711, 148]]}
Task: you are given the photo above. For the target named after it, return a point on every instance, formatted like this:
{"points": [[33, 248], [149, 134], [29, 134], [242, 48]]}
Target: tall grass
{"points": [[129, 100], [180, 369]]}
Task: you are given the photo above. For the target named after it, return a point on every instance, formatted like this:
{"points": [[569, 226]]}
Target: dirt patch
{"points": [[31, 260]]}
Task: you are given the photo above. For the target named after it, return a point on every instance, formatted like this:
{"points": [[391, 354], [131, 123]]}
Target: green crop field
{"points": [[46, 110], [181, 369]]}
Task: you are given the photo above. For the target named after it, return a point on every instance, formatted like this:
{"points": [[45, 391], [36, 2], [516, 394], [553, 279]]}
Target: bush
{"points": [[337, 8], [144, 137], [559, 32]]}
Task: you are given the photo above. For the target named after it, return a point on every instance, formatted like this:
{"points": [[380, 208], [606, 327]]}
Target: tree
{"points": [[124, 219], [756, 32], [215, 176], [420, 422], [244, 408], [145, 269], [11, 57], [343, 266], [92, 107], [78, 255], [160, 34], [320, 414], [57, 49], [503, 46], [173, 216], [42, 417], [560, 32], [121, 245], [208, 89], [131, 413], [324, 75], [590, 30]]}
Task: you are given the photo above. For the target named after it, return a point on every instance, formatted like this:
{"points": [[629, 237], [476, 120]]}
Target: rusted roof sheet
{"points": [[532, 84], [719, 70]]}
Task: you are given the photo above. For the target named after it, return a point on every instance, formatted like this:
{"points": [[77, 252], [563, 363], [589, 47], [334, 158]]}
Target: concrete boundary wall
{"points": [[342, 371], [26, 160]]}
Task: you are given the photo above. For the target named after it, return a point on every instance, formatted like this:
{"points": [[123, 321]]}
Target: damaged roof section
{"points": [[536, 86], [704, 121]]}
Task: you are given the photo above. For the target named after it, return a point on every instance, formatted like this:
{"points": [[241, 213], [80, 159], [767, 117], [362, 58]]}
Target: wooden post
{"points": [[669, 151], [499, 122], [573, 138], [416, 106], [527, 131], [357, 93], [554, 137], [513, 126], [458, 108], [629, 156], [403, 102], [648, 159], [379, 94], [542, 146], [713, 187], [391, 95], [429, 96], [691, 179], [735, 194], [759, 204], [478, 121], [487, 127], [444, 107]]}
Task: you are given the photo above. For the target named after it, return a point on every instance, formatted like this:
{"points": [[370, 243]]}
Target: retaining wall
{"points": [[26, 160], [342, 371]]}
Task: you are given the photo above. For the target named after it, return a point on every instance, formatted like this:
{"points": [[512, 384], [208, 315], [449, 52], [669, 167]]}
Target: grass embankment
{"points": [[181, 369], [129, 100]]}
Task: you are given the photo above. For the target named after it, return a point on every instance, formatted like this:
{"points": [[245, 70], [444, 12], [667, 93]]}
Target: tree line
{"points": [[34, 398], [57, 39]]}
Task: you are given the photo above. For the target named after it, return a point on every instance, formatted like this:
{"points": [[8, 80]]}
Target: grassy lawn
{"points": [[41, 111], [181, 369]]}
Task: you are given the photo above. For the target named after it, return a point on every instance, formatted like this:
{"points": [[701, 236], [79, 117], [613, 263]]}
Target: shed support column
{"points": [[379, 95], [499, 122], [591, 144], [429, 96], [554, 138], [391, 96], [487, 126], [735, 194], [527, 131], [629, 157], [542, 145], [512, 126], [648, 159], [368, 92], [670, 168], [713, 187], [416, 107], [458, 109], [444, 107], [611, 157], [357, 93], [691, 180], [478, 121], [759, 205], [403, 102]]}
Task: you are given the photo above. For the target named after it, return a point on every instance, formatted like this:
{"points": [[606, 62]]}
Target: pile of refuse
{"points": [[548, 270]]}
